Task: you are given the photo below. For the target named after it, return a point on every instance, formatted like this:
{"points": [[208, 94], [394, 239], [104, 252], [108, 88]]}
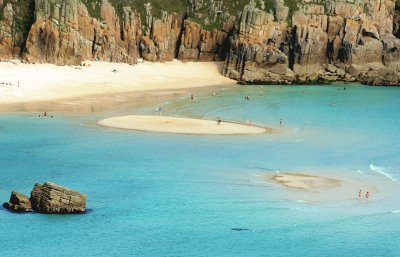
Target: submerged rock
{"points": [[18, 203], [52, 198]]}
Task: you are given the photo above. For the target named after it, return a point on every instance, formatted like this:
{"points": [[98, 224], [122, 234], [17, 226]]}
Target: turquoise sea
{"points": [[153, 194]]}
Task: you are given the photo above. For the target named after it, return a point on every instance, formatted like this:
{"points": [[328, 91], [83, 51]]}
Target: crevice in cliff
{"points": [[94, 44], [179, 42], [292, 46], [396, 20], [24, 23]]}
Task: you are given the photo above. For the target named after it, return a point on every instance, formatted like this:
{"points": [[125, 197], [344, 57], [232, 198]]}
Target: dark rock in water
{"points": [[240, 229], [52, 198], [18, 203]]}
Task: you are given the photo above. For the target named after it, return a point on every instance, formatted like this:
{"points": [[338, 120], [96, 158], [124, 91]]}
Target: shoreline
{"points": [[106, 102]]}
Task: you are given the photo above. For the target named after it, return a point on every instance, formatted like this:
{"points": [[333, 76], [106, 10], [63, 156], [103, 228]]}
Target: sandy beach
{"points": [[180, 125], [21, 83]]}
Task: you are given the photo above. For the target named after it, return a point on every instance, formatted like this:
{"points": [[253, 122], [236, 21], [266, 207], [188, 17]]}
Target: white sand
{"points": [[180, 125], [44, 82]]}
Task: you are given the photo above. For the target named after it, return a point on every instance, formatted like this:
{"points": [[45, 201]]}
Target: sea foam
{"points": [[382, 171]]}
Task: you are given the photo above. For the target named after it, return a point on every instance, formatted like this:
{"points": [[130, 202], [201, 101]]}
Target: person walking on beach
{"points": [[218, 120], [367, 195], [192, 97], [359, 194], [158, 110]]}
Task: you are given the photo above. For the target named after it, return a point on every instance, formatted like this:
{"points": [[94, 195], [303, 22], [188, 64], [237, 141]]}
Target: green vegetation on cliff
{"points": [[204, 12], [157, 7]]}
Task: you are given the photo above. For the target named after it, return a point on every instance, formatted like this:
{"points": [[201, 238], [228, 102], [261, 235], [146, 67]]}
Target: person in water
{"points": [[367, 195], [359, 194], [280, 122], [192, 97]]}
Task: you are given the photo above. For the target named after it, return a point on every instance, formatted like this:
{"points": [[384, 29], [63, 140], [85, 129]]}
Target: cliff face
{"points": [[16, 18], [326, 41], [64, 33], [278, 41]]}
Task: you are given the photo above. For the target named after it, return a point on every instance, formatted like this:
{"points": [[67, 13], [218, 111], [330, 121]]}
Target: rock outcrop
{"points": [[255, 56], [198, 44], [18, 203], [52, 198], [277, 41], [162, 42], [48, 198]]}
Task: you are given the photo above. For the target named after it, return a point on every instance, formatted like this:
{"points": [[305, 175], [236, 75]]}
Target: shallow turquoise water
{"points": [[172, 195]]}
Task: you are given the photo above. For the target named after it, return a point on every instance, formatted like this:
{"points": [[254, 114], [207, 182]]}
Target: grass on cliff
{"points": [[179, 6], [201, 14], [169, 6]]}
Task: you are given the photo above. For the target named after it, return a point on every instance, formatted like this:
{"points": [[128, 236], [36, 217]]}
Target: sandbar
{"points": [[176, 125], [305, 181]]}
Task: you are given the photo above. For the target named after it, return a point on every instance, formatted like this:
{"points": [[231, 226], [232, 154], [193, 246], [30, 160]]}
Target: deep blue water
{"points": [[155, 194]]}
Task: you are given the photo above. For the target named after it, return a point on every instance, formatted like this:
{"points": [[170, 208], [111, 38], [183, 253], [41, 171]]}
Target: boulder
{"points": [[52, 198], [18, 203]]}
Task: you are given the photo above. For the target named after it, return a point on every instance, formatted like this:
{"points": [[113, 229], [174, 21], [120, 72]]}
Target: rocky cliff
{"points": [[261, 41]]}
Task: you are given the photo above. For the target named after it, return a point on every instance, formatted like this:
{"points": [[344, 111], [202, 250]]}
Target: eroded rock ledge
{"points": [[48, 198], [261, 41]]}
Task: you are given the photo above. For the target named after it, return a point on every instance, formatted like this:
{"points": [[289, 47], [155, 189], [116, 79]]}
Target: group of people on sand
{"points": [[360, 195], [45, 115], [8, 84]]}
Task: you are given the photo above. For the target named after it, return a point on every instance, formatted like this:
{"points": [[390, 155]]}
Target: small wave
{"points": [[301, 201], [382, 171], [398, 211], [360, 171]]}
